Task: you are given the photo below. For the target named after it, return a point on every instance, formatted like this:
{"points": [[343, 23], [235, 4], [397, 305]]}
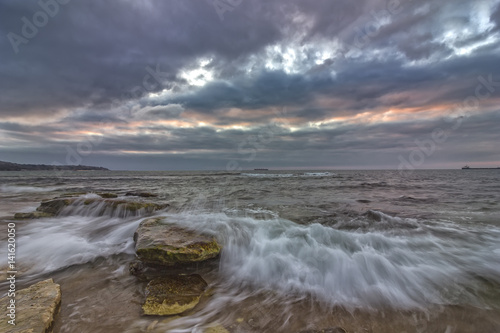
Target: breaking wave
{"points": [[354, 269]]}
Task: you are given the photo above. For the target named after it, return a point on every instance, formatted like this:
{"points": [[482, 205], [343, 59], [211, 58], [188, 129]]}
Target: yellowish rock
{"points": [[35, 308], [159, 243], [174, 294]]}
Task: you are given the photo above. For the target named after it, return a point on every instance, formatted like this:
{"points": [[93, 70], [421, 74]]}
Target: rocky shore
{"points": [[168, 261], [159, 245]]}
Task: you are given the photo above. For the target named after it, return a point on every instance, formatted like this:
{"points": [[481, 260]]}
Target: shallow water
{"points": [[369, 251]]}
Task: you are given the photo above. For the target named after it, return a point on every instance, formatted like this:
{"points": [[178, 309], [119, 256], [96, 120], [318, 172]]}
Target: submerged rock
{"points": [[170, 295], [102, 206], [32, 215], [126, 205], [55, 206], [36, 307], [72, 194], [141, 194], [108, 195], [161, 244]]}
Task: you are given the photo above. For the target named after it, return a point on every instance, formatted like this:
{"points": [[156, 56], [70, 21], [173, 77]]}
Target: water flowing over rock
{"points": [[36, 307], [32, 215], [54, 207], [92, 207], [158, 243], [108, 195], [175, 294]]}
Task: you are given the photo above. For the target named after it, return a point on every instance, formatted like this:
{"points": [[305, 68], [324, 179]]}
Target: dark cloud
{"points": [[181, 79], [94, 52]]}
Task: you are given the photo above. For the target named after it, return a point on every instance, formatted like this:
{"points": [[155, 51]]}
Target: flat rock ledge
{"points": [[36, 307], [51, 208], [157, 243], [174, 294]]}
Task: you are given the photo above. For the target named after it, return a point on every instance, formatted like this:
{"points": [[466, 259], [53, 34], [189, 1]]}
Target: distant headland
{"points": [[7, 166]]}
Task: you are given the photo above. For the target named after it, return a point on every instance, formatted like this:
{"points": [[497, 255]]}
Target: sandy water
{"points": [[370, 251]]}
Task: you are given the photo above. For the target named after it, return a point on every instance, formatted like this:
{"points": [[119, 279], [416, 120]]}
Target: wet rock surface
{"points": [[55, 206], [97, 206], [36, 307], [108, 195], [130, 206], [141, 194], [158, 243], [175, 294], [32, 215]]}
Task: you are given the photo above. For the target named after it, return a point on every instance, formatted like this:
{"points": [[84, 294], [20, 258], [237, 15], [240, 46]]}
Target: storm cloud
{"points": [[200, 85]]}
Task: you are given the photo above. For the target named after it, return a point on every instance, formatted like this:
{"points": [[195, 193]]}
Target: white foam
{"points": [[318, 174], [352, 269], [26, 189], [268, 175], [101, 207], [437, 264], [49, 244], [288, 175]]}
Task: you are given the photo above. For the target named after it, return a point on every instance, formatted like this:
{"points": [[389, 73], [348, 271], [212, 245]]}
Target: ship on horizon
{"points": [[468, 167]]}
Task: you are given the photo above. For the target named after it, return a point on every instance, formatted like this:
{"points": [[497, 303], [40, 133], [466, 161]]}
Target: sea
{"points": [[359, 251]]}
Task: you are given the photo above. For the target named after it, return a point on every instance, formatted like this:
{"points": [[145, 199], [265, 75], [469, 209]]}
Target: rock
{"points": [[141, 194], [170, 295], [136, 268], [36, 307], [32, 215], [130, 206], [161, 244], [55, 206], [108, 195], [71, 194], [149, 207]]}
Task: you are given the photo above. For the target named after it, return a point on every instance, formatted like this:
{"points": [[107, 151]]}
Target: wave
{"points": [[373, 220], [353, 269], [26, 189], [440, 263], [92, 205], [288, 175], [268, 175], [50, 244], [318, 174]]}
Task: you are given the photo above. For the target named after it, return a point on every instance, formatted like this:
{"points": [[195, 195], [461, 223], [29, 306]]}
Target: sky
{"points": [[240, 84]]}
